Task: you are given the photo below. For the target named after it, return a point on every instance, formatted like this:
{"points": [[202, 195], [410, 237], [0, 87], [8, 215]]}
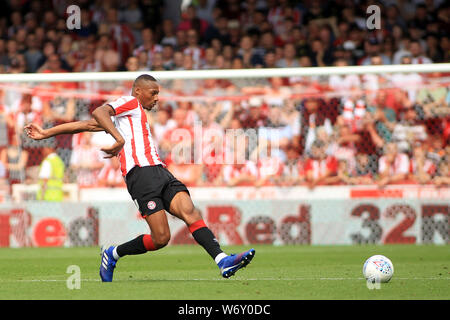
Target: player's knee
{"points": [[192, 216], [161, 239]]}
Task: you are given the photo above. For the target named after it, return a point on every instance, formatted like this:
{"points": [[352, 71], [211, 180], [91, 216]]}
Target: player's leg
{"points": [[158, 238], [182, 207]]}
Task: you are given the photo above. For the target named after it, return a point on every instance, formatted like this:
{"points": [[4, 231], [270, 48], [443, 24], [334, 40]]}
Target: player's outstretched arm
{"points": [[36, 132], [103, 116]]}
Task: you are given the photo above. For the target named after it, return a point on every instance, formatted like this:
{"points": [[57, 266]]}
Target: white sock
{"points": [[115, 255], [219, 257]]}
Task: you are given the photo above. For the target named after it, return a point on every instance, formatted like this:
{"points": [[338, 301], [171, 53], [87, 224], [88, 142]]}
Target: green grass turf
{"points": [[187, 272]]}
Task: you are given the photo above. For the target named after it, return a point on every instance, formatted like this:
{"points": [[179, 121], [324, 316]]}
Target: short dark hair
{"points": [[143, 77]]}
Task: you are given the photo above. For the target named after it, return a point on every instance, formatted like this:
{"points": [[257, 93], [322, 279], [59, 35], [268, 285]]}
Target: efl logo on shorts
{"points": [[151, 205]]}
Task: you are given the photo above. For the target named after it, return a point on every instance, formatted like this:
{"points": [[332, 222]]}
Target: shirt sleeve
{"points": [[124, 106]]}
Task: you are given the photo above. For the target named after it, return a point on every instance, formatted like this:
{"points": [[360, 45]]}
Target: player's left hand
{"points": [[35, 131]]}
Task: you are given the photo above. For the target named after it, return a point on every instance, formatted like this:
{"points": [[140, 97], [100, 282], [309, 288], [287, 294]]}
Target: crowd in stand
{"points": [[370, 129]]}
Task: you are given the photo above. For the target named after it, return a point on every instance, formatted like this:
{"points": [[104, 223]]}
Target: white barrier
{"points": [[305, 221]]}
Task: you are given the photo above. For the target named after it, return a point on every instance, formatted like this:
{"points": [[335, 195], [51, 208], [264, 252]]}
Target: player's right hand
{"points": [[35, 131], [113, 150]]}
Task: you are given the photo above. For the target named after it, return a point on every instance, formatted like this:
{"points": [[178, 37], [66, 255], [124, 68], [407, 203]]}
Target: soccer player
{"points": [[152, 187]]}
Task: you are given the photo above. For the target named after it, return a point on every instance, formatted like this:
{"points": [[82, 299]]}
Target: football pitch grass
{"points": [[188, 273]]}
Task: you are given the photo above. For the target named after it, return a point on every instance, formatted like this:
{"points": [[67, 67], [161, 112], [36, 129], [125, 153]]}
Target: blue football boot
{"points": [[230, 264], [107, 264]]}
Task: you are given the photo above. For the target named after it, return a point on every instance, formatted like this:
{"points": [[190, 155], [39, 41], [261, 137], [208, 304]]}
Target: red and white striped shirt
{"points": [[131, 122], [400, 165], [320, 167]]}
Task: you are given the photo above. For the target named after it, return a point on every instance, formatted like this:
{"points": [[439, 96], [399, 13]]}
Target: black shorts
{"points": [[152, 188]]}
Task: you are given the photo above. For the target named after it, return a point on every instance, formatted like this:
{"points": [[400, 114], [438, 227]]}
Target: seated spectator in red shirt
{"points": [[244, 174], [270, 166], [393, 167], [320, 168], [421, 169], [110, 175]]}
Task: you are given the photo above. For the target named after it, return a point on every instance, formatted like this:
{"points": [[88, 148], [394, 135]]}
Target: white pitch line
{"points": [[236, 279]]}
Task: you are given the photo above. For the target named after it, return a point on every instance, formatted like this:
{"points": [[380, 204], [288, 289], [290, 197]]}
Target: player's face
{"points": [[147, 94]]}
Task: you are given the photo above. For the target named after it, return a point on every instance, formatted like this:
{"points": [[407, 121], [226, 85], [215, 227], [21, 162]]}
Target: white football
{"points": [[378, 268]]}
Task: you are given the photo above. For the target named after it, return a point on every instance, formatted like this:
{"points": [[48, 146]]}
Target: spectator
{"points": [[344, 84], [110, 175], [86, 162], [183, 167], [87, 61], [408, 131], [168, 33], [193, 49], [416, 50], [289, 59], [411, 81], [190, 20], [131, 16], [365, 170], [218, 31], [51, 176], [313, 116], [204, 10], [279, 12], [422, 169], [443, 176], [393, 166], [293, 171], [373, 48], [269, 165], [14, 160], [384, 117], [180, 137], [276, 129], [121, 35], [162, 122], [32, 55], [253, 117], [148, 45], [168, 57], [57, 111], [240, 174], [88, 27], [320, 169], [319, 54]]}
